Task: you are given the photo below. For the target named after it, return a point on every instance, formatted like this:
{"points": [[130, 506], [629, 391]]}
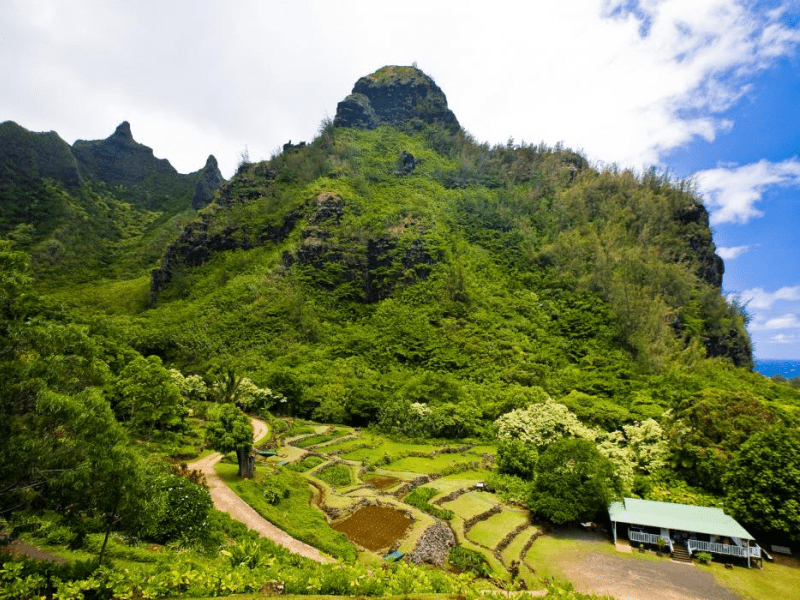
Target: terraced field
{"points": [[472, 504], [492, 531], [383, 471]]}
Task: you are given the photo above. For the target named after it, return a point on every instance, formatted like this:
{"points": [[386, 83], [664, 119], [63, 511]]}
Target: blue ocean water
{"points": [[787, 368]]}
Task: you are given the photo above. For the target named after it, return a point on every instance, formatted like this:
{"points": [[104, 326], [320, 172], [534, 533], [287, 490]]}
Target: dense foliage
{"points": [[574, 315]]}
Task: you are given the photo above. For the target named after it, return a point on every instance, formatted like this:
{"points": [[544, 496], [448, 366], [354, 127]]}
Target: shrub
{"points": [[336, 475], [466, 560], [703, 557], [419, 498]]}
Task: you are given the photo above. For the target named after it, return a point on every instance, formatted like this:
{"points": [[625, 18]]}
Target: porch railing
{"points": [[648, 538], [695, 545]]}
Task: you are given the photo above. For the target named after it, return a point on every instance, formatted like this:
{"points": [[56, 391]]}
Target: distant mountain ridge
{"points": [[27, 157], [82, 208]]}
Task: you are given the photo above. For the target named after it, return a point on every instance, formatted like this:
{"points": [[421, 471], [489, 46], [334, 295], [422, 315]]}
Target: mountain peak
{"points": [[123, 131], [395, 95]]}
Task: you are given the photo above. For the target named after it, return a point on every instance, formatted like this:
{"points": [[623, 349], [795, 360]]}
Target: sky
{"points": [[702, 89]]}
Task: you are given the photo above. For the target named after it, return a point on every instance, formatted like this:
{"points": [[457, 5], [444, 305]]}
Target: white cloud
{"points": [[783, 338], [731, 193], [759, 299], [623, 84], [787, 321], [732, 252]]}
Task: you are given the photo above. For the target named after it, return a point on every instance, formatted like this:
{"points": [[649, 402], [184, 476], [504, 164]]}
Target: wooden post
{"points": [[615, 533]]}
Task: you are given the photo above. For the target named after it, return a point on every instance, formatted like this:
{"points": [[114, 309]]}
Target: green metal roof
{"points": [[681, 517]]}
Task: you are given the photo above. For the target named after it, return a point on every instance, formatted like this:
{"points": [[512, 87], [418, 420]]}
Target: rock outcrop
{"points": [[27, 157], [210, 179], [395, 96], [119, 159]]}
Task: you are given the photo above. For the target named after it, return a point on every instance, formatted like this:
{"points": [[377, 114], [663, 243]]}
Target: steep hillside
{"points": [[372, 261]]}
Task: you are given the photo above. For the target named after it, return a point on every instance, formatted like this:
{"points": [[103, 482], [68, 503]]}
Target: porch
{"points": [[682, 528]]}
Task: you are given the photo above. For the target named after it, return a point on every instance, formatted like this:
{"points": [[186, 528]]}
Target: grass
{"points": [[419, 464], [294, 514], [308, 463], [323, 437], [471, 504], [774, 581], [514, 549], [336, 475], [385, 447], [491, 532]]}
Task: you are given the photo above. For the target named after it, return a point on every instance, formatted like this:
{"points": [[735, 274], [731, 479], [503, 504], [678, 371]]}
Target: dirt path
{"points": [[644, 580], [227, 501]]}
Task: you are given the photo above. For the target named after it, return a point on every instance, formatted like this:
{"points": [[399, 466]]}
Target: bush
{"points": [[466, 560], [419, 498], [336, 475], [703, 557]]}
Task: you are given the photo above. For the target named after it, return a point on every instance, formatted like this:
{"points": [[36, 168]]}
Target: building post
{"points": [[748, 554], [615, 533]]}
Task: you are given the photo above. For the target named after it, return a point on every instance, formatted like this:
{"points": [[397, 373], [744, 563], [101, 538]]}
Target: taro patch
{"points": [[375, 527]]}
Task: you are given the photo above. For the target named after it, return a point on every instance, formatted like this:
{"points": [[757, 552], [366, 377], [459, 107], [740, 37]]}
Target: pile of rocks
{"points": [[434, 545]]}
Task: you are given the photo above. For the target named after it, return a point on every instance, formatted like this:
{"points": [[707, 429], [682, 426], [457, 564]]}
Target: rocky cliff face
{"points": [[210, 179], [119, 159], [395, 96], [27, 157]]}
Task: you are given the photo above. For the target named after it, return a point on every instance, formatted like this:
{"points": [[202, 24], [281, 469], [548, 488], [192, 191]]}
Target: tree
{"points": [[707, 429], [148, 398], [541, 424], [574, 482], [763, 482], [229, 430], [514, 457]]}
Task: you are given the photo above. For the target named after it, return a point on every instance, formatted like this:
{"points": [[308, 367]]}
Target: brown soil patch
{"points": [[20, 548], [382, 482], [375, 527]]}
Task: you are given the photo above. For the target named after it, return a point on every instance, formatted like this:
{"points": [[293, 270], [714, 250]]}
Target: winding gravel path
{"points": [[226, 500]]}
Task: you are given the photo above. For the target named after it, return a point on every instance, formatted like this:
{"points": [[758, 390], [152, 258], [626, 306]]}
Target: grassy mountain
{"points": [[103, 207]]}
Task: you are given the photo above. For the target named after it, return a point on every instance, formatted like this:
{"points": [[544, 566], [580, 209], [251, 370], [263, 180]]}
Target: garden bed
{"points": [[375, 527]]}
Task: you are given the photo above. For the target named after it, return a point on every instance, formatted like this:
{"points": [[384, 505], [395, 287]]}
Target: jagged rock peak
{"points": [[209, 180], [123, 131], [396, 96]]}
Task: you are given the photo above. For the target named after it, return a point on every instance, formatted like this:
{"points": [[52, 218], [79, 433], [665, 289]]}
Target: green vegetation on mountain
{"points": [[393, 274]]}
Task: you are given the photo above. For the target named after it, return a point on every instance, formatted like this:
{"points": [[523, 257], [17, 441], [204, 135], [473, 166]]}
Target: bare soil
{"points": [[375, 527], [20, 548], [382, 482], [630, 579]]}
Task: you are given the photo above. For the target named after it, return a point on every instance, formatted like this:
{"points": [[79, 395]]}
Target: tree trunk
{"points": [[105, 542], [247, 463]]}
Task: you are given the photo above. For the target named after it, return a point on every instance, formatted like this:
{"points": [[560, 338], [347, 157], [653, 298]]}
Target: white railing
{"points": [[648, 538], [693, 545]]}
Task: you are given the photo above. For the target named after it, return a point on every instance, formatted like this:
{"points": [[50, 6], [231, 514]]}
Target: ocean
{"points": [[787, 368]]}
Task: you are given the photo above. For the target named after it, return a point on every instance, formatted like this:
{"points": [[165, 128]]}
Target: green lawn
{"points": [[774, 581], [514, 549], [471, 504], [419, 464], [491, 532]]}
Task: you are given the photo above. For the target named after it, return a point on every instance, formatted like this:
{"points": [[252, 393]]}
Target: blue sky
{"points": [[704, 88]]}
